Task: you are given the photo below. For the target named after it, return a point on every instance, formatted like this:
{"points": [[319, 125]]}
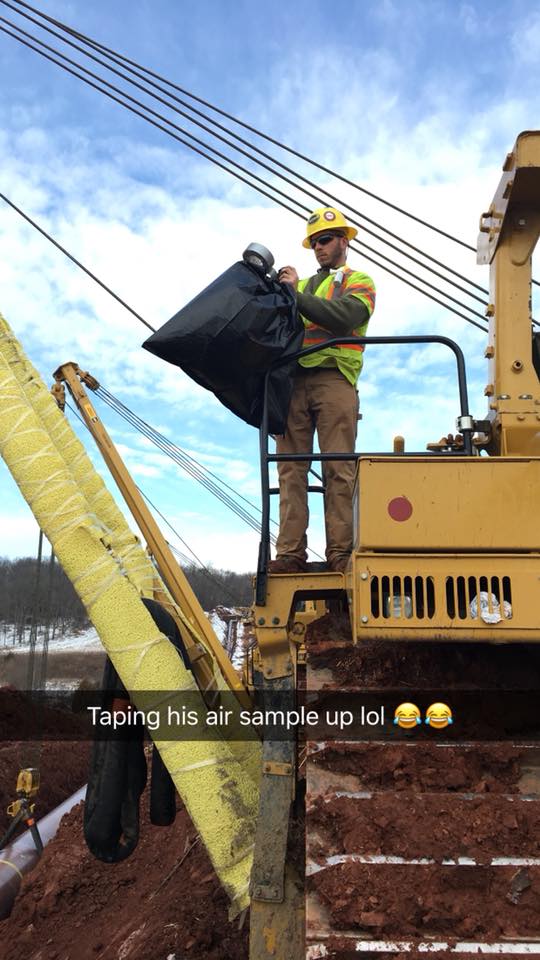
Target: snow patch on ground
{"points": [[76, 640], [222, 620]]}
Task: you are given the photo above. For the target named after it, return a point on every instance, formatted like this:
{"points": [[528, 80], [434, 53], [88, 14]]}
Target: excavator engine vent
{"points": [[462, 592], [396, 597], [421, 598]]}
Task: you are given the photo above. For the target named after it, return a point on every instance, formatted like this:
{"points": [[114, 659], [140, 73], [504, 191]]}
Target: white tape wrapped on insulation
{"points": [[216, 781]]}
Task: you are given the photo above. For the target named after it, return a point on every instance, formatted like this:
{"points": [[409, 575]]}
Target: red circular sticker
{"points": [[329, 215], [400, 508]]}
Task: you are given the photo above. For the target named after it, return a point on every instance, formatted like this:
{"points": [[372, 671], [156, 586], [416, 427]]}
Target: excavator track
{"points": [[422, 841]]}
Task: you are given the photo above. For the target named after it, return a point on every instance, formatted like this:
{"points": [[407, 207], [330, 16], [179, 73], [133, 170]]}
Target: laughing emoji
{"points": [[438, 716], [407, 715]]}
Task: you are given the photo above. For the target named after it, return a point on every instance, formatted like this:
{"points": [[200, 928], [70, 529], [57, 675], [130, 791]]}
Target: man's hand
{"points": [[289, 275]]}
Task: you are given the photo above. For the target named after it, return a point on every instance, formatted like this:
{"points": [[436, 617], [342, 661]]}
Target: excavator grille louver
{"points": [[461, 592], [398, 597]]}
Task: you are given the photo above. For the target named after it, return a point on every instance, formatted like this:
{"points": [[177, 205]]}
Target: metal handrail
{"points": [[266, 458]]}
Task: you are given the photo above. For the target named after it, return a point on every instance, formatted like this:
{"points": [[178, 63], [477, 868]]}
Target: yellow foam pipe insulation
{"points": [[116, 534], [220, 795]]}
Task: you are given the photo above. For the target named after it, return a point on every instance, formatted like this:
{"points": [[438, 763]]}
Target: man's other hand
{"points": [[289, 275]]}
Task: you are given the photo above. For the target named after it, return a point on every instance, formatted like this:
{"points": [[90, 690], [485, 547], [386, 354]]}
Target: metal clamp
{"points": [[278, 769], [464, 423]]}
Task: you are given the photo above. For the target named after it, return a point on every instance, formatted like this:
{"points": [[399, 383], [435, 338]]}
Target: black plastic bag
{"points": [[229, 336]]}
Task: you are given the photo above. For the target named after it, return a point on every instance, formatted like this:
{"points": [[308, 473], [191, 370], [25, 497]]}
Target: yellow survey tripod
{"points": [[22, 810]]}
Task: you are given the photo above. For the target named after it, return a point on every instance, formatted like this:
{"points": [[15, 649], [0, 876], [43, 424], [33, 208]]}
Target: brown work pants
{"points": [[325, 401]]}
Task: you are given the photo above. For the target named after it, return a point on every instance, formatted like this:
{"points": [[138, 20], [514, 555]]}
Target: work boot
{"points": [[339, 564], [287, 565]]}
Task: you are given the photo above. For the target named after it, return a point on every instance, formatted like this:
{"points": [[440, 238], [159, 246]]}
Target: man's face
{"points": [[330, 249]]}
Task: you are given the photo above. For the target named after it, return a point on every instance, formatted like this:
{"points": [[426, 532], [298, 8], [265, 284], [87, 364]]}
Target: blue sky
{"points": [[418, 102]]}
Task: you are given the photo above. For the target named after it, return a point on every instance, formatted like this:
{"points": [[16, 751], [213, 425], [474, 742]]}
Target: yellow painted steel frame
{"points": [[274, 623], [509, 231], [432, 535]]}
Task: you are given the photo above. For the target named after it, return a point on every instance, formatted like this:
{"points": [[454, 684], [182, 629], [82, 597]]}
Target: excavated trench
{"points": [[424, 841], [404, 835]]}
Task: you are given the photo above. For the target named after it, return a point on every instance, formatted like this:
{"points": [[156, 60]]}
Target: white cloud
{"points": [[19, 533], [158, 226]]}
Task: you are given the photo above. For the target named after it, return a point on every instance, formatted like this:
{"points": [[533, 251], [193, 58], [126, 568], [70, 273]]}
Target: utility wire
{"points": [[74, 260], [128, 64], [185, 560], [356, 246], [246, 126], [242, 140], [188, 463], [175, 453], [122, 408]]}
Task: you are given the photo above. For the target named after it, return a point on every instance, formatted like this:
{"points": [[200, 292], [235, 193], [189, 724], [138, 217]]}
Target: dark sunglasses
{"points": [[324, 240]]}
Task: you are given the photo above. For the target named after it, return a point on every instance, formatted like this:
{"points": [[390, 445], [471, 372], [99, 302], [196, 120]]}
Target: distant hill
{"points": [[52, 600]]}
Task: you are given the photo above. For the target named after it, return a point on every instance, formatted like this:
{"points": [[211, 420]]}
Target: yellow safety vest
{"points": [[347, 358]]}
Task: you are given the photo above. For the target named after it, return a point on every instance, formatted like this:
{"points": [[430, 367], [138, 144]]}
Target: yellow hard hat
{"points": [[326, 219]]}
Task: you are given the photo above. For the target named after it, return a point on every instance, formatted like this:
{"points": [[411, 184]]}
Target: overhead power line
{"points": [[185, 560], [147, 110], [118, 57], [182, 459], [115, 58], [75, 261], [182, 557], [150, 76], [209, 480]]}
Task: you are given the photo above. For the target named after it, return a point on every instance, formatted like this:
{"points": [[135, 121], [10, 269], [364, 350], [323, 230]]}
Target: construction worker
{"points": [[336, 302]]}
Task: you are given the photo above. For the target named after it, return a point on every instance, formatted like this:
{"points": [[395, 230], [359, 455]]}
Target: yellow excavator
{"points": [[433, 533]]}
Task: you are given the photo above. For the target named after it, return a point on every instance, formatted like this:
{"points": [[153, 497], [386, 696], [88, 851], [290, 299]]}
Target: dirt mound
{"points": [[164, 901], [387, 663], [493, 768], [427, 826], [430, 901]]}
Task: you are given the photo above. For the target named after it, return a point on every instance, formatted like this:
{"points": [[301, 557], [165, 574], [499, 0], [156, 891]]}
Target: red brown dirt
{"points": [[430, 900], [493, 768], [383, 663], [426, 826], [73, 907], [417, 807], [63, 765]]}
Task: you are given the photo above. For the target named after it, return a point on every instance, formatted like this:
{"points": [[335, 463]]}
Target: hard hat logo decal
{"points": [[407, 716], [438, 716], [328, 218]]}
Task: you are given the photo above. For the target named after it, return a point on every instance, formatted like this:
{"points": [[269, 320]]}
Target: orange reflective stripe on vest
{"points": [[314, 334]]}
